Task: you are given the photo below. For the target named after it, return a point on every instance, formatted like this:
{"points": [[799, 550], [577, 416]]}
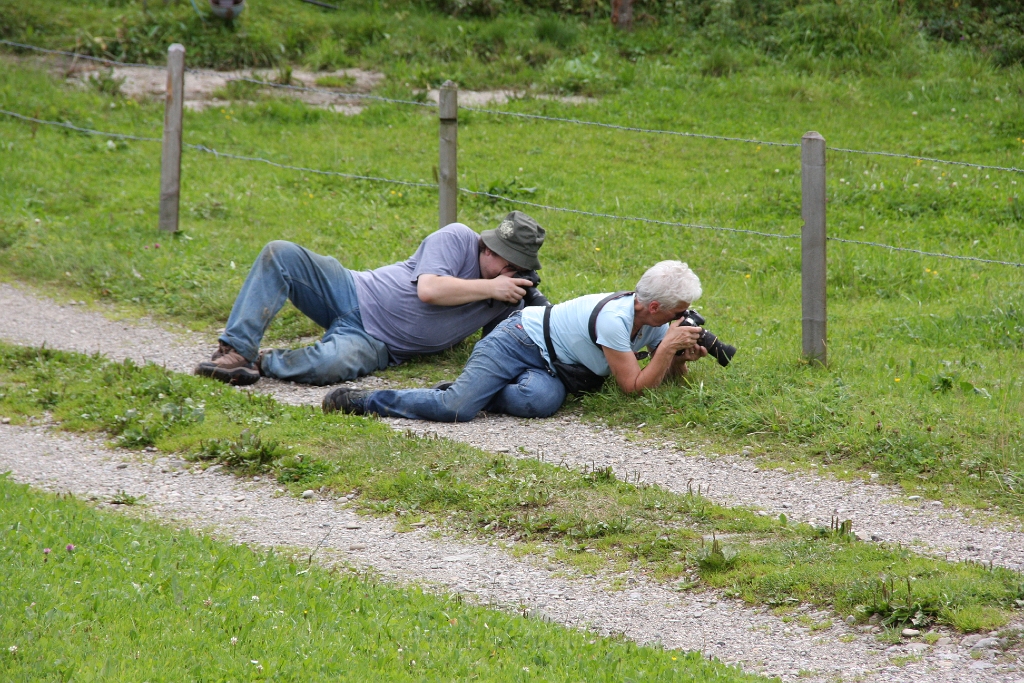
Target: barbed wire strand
{"points": [[1010, 169], [631, 129], [350, 176], [491, 195], [925, 253], [538, 117], [71, 126], [638, 219], [78, 55]]}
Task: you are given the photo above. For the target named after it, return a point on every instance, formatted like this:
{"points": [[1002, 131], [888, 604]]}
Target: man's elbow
{"points": [[427, 294]]}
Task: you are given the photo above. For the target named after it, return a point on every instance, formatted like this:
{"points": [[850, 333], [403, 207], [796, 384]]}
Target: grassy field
{"points": [[922, 385], [588, 520], [91, 596]]}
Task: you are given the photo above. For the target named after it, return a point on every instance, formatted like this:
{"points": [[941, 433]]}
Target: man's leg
{"points": [[497, 360], [535, 393], [317, 285], [345, 352]]}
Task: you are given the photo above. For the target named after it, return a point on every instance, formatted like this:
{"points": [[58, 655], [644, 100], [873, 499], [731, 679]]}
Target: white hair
{"points": [[670, 283]]}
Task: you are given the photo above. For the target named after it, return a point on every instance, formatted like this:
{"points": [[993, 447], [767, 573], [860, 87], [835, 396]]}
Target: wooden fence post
{"points": [[812, 248], [170, 160], [447, 167]]}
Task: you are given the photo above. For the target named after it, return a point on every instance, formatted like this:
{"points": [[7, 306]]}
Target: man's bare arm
{"points": [[444, 290]]}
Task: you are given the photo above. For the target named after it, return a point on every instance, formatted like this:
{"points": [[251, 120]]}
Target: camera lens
{"points": [[723, 353]]}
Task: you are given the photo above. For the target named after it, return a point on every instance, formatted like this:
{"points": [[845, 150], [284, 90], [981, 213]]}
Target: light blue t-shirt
{"points": [[571, 337]]}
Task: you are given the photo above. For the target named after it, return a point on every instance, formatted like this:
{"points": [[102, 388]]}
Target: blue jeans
{"points": [[504, 374], [322, 289]]}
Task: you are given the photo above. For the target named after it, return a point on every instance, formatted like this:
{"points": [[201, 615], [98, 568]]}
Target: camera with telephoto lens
{"points": [[533, 296], [723, 353]]}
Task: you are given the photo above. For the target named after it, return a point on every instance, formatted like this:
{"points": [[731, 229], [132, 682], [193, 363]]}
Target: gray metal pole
{"points": [[447, 167], [812, 247], [170, 161]]}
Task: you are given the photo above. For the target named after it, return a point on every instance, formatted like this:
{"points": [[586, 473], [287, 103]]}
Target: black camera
{"points": [[723, 353], [533, 296]]}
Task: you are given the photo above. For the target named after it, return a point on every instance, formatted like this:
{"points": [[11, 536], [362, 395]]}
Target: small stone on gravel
{"points": [[969, 641], [309, 493], [910, 632], [985, 643], [357, 546], [352, 525]]}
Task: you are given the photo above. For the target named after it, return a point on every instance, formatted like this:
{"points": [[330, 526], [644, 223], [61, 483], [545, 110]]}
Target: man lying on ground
{"points": [[510, 372], [455, 283]]}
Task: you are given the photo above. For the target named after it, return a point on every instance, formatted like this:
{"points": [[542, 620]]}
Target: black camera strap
{"points": [[592, 325]]}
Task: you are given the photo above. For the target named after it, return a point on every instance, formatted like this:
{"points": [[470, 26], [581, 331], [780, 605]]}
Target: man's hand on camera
{"points": [[509, 289]]}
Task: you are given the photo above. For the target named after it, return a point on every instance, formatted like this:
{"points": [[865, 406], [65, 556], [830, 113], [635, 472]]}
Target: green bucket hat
{"points": [[517, 239]]}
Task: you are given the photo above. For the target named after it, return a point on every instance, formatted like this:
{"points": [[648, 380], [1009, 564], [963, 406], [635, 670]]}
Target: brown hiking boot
{"points": [[229, 366]]}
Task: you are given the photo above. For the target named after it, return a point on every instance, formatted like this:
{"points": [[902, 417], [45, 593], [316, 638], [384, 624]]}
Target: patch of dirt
{"points": [[203, 87]]}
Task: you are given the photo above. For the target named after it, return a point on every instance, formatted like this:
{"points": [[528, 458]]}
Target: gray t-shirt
{"points": [[392, 311]]}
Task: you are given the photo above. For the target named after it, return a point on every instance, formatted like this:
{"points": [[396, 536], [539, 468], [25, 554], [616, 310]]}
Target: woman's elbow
{"points": [[628, 387]]}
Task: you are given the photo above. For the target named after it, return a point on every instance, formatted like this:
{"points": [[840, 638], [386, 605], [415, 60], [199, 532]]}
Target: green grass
{"points": [[137, 601], [587, 519], [921, 386]]}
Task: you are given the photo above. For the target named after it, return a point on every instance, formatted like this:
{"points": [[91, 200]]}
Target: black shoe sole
{"points": [[337, 401], [241, 377]]}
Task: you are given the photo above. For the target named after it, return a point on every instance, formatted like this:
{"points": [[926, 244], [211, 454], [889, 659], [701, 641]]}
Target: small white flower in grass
{"points": [[254, 661], [255, 598], [111, 144], [526, 668], [234, 641], [13, 649]]}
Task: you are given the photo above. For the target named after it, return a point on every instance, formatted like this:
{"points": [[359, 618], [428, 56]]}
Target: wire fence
{"points": [[494, 196], [528, 116]]}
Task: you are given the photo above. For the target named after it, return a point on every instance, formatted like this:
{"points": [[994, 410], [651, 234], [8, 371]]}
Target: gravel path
{"points": [[256, 513], [878, 512], [252, 512]]}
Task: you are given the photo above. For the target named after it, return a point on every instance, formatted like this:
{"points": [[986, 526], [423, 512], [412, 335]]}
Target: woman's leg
{"points": [[497, 360], [535, 393]]}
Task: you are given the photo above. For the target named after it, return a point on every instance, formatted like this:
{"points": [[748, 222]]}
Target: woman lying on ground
{"points": [[511, 371]]}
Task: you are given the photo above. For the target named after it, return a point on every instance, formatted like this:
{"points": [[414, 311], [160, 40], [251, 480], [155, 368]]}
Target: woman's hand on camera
{"points": [[681, 338]]}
